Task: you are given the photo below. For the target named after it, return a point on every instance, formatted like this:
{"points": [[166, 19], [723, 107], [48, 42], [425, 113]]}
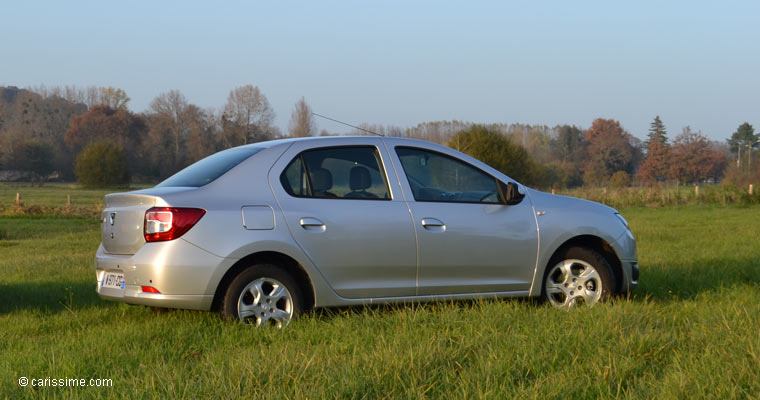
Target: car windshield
{"points": [[208, 169]]}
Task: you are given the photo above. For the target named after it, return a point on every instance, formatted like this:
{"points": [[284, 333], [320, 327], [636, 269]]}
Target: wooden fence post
{"points": [[68, 200], [696, 190], [18, 199], [750, 189]]}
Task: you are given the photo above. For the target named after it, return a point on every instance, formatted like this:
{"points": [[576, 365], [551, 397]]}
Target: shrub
{"points": [[38, 158], [102, 164], [620, 179], [499, 152]]}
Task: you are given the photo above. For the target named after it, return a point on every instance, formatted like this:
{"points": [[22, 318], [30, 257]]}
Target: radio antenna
{"points": [[341, 122]]}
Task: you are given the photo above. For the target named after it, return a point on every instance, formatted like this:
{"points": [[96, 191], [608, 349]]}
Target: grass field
{"points": [[53, 198], [50, 194], [690, 331]]}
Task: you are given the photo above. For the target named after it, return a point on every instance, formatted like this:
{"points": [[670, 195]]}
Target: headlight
{"points": [[625, 223]]}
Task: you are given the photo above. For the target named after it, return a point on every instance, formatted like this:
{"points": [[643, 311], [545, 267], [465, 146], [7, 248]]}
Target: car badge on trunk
{"points": [[112, 218]]}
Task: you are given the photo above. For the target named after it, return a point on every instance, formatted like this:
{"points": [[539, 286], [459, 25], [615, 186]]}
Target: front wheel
{"points": [[262, 294], [580, 277]]}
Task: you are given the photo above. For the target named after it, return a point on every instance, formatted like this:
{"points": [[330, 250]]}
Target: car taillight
{"points": [[169, 223]]}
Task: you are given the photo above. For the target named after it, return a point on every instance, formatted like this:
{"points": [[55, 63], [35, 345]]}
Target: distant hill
{"points": [[29, 122]]}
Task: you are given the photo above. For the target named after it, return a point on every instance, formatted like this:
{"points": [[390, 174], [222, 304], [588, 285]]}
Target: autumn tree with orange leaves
{"points": [[103, 123], [656, 165], [694, 158], [610, 149]]}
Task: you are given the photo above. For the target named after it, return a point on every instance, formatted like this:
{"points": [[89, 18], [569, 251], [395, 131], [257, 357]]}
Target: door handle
{"points": [[433, 224], [312, 224]]}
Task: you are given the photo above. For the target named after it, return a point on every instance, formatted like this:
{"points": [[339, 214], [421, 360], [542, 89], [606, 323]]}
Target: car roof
{"points": [[346, 138], [391, 141]]}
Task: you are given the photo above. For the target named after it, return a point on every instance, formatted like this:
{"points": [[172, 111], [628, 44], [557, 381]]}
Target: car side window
{"points": [[354, 172], [438, 177]]}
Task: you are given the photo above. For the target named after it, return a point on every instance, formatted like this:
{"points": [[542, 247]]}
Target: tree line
{"points": [[566, 156], [43, 131]]}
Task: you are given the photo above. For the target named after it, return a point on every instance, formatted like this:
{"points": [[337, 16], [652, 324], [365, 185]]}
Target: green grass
{"points": [[50, 194], [54, 198], [690, 331]]}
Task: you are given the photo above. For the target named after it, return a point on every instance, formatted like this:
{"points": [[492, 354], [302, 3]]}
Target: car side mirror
{"points": [[510, 193]]}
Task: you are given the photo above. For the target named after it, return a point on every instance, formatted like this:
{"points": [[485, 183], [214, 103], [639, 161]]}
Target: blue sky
{"points": [[402, 62]]}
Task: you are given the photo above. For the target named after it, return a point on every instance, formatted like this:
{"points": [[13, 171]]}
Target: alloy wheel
{"points": [[265, 301], [572, 283]]}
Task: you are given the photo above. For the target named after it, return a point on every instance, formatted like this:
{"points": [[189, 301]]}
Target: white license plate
{"points": [[113, 280]]}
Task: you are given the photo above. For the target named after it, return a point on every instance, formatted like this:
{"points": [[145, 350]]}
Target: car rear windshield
{"points": [[208, 169]]}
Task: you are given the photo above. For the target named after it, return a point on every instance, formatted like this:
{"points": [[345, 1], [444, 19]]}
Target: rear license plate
{"points": [[113, 280]]}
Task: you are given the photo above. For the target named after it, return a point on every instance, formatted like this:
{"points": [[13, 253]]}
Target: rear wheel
{"points": [[262, 294], [579, 277]]}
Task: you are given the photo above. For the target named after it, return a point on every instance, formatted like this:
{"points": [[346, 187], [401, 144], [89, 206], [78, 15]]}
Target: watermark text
{"points": [[65, 382]]}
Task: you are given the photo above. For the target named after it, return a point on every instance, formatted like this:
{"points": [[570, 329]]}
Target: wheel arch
{"points": [[595, 243], [290, 265]]}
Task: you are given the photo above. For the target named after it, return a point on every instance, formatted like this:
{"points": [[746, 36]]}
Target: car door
{"points": [[469, 241], [347, 218]]}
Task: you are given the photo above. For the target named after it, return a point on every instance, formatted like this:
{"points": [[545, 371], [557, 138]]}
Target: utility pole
{"points": [[738, 156]]}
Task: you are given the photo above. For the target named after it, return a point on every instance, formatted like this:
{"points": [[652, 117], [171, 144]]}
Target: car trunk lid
{"points": [[122, 221]]}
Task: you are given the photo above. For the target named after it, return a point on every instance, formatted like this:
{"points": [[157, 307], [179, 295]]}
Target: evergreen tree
{"points": [[744, 136], [657, 132], [655, 166]]}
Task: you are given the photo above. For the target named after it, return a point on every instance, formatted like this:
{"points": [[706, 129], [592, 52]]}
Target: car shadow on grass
{"points": [[686, 280], [661, 282], [49, 297], [462, 305]]}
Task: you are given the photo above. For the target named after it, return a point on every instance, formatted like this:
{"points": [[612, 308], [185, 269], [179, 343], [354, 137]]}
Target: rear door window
{"points": [[354, 172]]}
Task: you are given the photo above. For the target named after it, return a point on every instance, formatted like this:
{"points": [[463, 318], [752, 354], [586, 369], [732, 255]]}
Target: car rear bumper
{"points": [[185, 275], [134, 295]]}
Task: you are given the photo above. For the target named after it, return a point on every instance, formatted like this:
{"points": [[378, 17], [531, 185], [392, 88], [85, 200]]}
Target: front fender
{"points": [[560, 219]]}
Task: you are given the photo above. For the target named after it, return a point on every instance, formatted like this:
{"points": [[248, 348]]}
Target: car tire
{"points": [[262, 294], [579, 276]]}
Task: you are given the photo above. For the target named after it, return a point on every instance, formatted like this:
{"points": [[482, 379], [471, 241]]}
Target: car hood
{"points": [[543, 201]]}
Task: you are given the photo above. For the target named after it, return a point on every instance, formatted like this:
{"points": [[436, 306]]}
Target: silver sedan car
{"points": [[265, 231]]}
